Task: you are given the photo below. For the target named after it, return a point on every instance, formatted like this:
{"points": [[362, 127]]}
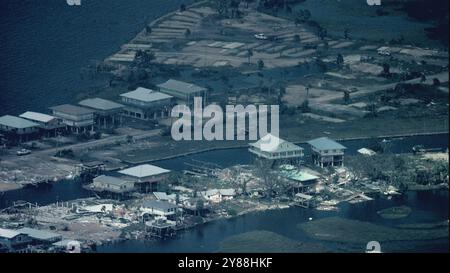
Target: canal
{"points": [[427, 206]]}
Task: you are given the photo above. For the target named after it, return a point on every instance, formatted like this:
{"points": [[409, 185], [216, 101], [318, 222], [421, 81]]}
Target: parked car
{"points": [[261, 36], [23, 152]]}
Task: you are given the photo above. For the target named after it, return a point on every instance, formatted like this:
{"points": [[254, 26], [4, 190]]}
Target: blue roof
{"points": [[16, 122], [324, 143]]}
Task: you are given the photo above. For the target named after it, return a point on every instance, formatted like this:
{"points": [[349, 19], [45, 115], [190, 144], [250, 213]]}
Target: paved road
{"points": [[83, 146]]}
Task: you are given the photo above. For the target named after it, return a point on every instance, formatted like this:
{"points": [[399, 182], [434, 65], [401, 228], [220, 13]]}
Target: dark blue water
{"points": [[426, 206], [69, 190], [45, 43]]}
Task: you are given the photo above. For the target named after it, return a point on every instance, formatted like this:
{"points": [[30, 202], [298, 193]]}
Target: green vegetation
{"points": [[337, 229], [395, 212], [399, 170], [261, 241]]}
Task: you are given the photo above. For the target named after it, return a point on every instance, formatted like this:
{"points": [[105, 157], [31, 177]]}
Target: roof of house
{"points": [[271, 143], [169, 197], [105, 179], [39, 234], [183, 87], [72, 109], [35, 116], [8, 233], [226, 192], [146, 95], [100, 104], [16, 122], [324, 143], [156, 204], [144, 170]]}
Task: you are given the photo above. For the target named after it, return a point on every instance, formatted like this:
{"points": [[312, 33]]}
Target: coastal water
{"points": [[69, 190], [44, 45], [427, 206]]}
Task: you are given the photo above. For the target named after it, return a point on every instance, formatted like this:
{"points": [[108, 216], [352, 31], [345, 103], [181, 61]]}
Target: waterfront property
{"points": [[327, 152], [146, 177], [281, 150], [300, 180], [107, 113], [158, 208], [183, 92], [48, 124], [146, 104], [218, 195], [13, 240], [110, 184], [18, 129], [40, 237], [77, 119]]}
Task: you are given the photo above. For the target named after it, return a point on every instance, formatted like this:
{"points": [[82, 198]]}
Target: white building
{"points": [[48, 124], [78, 119], [146, 177], [218, 195], [146, 104], [274, 148], [158, 208]]}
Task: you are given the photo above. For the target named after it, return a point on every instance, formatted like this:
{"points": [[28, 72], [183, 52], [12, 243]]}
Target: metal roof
{"points": [[72, 109], [146, 95], [8, 233], [271, 143], [100, 104], [35, 116], [324, 143], [16, 122], [110, 180], [183, 87], [155, 204], [144, 170], [39, 234]]}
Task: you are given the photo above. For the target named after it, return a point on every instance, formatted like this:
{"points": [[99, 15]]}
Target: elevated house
{"points": [[40, 237], [326, 152], [49, 125], [270, 147], [18, 129], [13, 240], [146, 177], [111, 185], [183, 92], [300, 181], [158, 208], [106, 112], [77, 119], [218, 195], [146, 104]]}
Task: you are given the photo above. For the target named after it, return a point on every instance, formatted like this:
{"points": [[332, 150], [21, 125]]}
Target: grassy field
{"points": [[337, 229], [261, 241], [363, 22]]}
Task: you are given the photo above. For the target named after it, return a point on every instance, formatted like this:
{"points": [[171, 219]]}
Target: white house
{"points": [[218, 195], [158, 208]]}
